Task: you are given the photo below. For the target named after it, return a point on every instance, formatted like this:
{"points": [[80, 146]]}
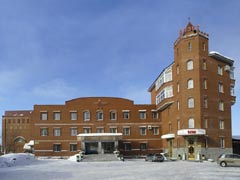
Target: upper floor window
{"points": [[205, 102], [86, 115], [205, 84], [143, 131], [100, 130], [190, 103], [167, 92], [87, 130], [190, 84], [191, 123], [166, 76], [73, 131], [142, 114], [221, 106], [205, 123], [204, 65], [232, 93], [221, 124], [113, 129], [189, 65], [113, 115], [56, 131], [43, 115], [155, 130], [154, 114], [189, 46], [126, 131], [73, 115], [178, 87], [220, 87], [43, 131], [56, 115], [177, 69], [220, 70], [99, 115], [126, 114], [231, 73], [204, 46]]}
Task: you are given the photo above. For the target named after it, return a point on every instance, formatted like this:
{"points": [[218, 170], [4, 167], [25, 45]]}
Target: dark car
{"points": [[158, 158], [149, 157], [229, 160]]}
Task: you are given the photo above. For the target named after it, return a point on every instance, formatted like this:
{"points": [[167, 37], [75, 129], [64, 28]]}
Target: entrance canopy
{"points": [[168, 136], [99, 136], [191, 132]]}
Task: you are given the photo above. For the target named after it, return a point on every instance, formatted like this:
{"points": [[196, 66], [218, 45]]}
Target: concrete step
{"points": [[99, 157]]}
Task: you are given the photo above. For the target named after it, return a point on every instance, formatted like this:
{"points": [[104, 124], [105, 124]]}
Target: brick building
{"points": [[189, 115]]}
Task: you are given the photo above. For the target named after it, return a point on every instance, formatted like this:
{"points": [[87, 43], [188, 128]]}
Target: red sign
{"points": [[191, 132]]}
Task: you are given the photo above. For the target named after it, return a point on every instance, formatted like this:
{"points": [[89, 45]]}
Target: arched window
{"points": [[189, 65], [190, 84], [19, 139], [190, 123], [190, 103]]}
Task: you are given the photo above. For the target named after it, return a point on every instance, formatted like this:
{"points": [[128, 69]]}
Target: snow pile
{"points": [[15, 159]]}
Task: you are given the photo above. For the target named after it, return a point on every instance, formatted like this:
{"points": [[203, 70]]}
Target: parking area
{"points": [[118, 170]]}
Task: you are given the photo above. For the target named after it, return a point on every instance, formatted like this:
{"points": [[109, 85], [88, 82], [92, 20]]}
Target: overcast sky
{"points": [[56, 50]]}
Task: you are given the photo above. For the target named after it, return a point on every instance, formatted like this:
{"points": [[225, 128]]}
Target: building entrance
{"points": [[191, 149], [91, 148], [108, 147]]}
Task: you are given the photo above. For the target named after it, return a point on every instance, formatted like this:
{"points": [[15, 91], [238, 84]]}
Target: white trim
{"points": [[125, 110], [168, 136], [142, 110], [99, 134]]}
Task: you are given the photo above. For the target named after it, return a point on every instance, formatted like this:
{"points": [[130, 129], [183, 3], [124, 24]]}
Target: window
{"points": [[221, 124], [232, 73], [221, 106], [204, 46], [178, 87], [143, 131], [143, 146], [44, 132], [166, 76], [204, 65], [43, 115], [222, 143], [113, 115], [205, 123], [178, 105], [56, 115], [154, 114], [189, 65], [142, 115], [100, 130], [177, 69], [126, 131], [191, 123], [189, 46], [86, 115], [87, 130], [73, 131], [220, 70], [155, 130], [167, 92], [205, 103], [190, 103], [220, 87], [232, 93], [190, 84], [57, 132], [113, 130], [126, 115], [178, 124], [205, 84], [73, 115], [99, 115], [73, 147], [127, 146], [57, 147]]}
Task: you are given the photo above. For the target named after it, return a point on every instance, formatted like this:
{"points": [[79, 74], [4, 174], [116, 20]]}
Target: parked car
{"points": [[229, 160], [149, 157], [158, 158]]}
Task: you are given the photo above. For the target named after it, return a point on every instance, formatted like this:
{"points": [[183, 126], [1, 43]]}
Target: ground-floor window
{"points": [[73, 147], [222, 142], [143, 146], [127, 146], [57, 147]]}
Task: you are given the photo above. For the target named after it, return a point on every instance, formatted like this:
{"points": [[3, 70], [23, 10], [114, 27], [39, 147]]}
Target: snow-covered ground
{"points": [[25, 167]]}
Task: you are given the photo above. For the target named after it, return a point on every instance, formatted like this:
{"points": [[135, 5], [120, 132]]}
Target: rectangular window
{"points": [[232, 93], [205, 123], [126, 115], [127, 146], [43, 115], [220, 70], [220, 87], [113, 115], [231, 74], [57, 132], [73, 147], [43, 131], [73, 116], [221, 106], [154, 114], [205, 84], [205, 103], [126, 131], [155, 130], [100, 130], [86, 115], [143, 146], [57, 147], [99, 115], [189, 46], [87, 130], [113, 130], [222, 143], [143, 131], [142, 115], [56, 115], [221, 124], [178, 124], [73, 131]]}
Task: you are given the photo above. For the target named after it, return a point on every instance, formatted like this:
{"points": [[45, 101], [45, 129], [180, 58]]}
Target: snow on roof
{"points": [[99, 134], [221, 57]]}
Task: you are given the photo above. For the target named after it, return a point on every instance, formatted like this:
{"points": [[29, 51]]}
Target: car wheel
{"points": [[223, 164]]}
